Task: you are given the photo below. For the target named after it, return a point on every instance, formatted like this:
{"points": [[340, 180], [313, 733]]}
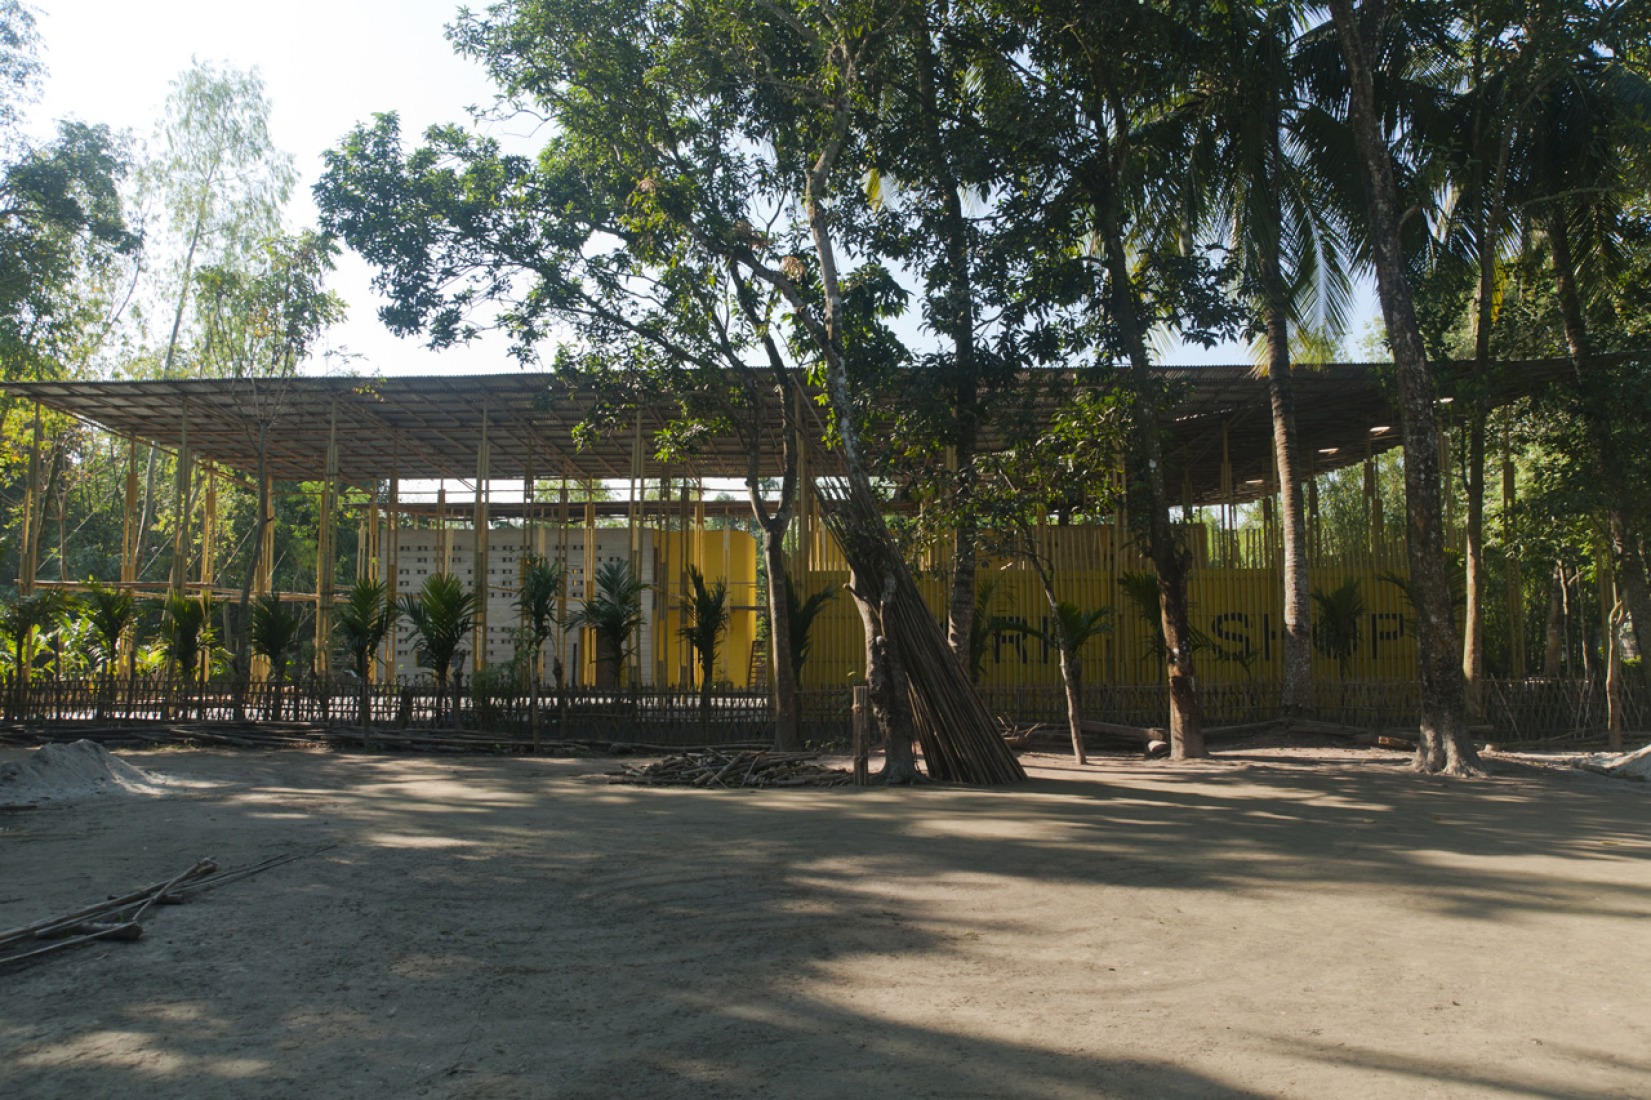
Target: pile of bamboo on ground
{"points": [[711, 768]]}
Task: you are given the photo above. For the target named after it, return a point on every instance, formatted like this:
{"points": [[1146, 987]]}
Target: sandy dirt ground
{"points": [[1271, 924]]}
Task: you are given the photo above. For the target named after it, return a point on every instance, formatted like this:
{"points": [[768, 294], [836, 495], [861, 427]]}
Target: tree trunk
{"points": [[886, 685], [1149, 501], [1445, 745], [1473, 625], [243, 644], [787, 719], [1071, 670], [1294, 692], [1553, 635]]}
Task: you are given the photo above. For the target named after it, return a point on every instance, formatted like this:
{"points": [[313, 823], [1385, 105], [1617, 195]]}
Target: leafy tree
{"points": [[613, 614], [1267, 172], [188, 633], [361, 624], [543, 585], [705, 611], [985, 627], [442, 615], [25, 622], [260, 318]]}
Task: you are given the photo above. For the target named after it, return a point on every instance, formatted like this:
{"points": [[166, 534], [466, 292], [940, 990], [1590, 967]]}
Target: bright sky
{"points": [[326, 66]]}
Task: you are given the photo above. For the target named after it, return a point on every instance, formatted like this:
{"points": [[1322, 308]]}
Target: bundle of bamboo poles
{"points": [[961, 740], [735, 769]]}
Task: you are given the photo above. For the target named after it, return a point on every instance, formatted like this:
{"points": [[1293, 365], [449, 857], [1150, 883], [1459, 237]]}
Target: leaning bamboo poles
{"points": [[960, 739]]}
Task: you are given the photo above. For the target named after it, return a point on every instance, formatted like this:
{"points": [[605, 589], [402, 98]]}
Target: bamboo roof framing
{"points": [[431, 427]]}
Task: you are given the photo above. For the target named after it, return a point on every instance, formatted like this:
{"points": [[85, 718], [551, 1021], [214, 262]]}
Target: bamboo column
{"points": [[180, 526], [129, 518], [443, 542], [263, 581], [587, 655], [209, 514], [1510, 565], [326, 557], [392, 558], [484, 464]]}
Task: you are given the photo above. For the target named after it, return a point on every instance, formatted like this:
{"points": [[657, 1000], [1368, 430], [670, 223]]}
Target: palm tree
{"points": [[538, 598], [1445, 744], [275, 630], [188, 633], [613, 615], [705, 613], [1068, 629], [109, 613], [1267, 170], [800, 617], [361, 624], [442, 615], [984, 628]]}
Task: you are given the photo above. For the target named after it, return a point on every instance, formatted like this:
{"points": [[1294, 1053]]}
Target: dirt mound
{"points": [[60, 773], [1627, 765]]}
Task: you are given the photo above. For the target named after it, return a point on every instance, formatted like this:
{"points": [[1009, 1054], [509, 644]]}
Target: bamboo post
{"points": [[1510, 560], [392, 558], [209, 515], [180, 526], [129, 517], [587, 657], [484, 462], [443, 541], [326, 561], [26, 557]]}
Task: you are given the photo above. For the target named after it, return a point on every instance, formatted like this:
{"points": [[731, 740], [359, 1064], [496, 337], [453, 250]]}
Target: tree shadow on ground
{"points": [[494, 927]]}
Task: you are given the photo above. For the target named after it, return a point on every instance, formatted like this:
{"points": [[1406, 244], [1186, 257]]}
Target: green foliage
{"points": [[614, 613], [276, 629], [362, 621], [27, 621], [1336, 628], [985, 627], [109, 613], [187, 622], [705, 612], [442, 615], [543, 583], [1070, 628], [801, 613]]}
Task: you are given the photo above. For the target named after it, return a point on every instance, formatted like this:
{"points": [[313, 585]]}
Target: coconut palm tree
{"points": [[1268, 170], [542, 586], [442, 615], [275, 630], [360, 624], [187, 634], [613, 614], [705, 613]]}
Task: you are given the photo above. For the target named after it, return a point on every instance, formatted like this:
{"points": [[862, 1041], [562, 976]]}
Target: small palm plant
{"points": [[705, 613], [361, 624], [110, 612], [1336, 632], [985, 627], [442, 614], [537, 598], [801, 614], [187, 634], [276, 629], [613, 615], [1068, 630]]}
